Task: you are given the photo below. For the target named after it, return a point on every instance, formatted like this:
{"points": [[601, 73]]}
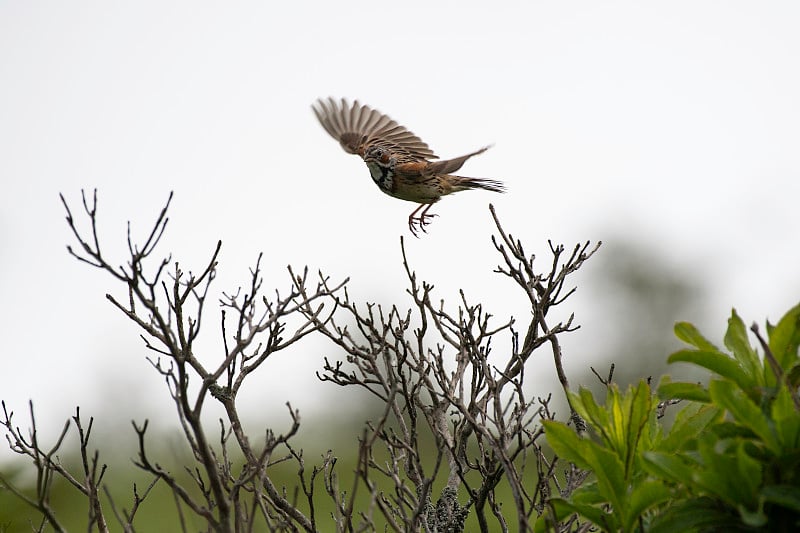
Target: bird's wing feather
{"points": [[450, 165], [357, 127]]}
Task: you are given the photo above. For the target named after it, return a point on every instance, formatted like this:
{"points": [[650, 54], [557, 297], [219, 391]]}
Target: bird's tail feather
{"points": [[465, 183]]}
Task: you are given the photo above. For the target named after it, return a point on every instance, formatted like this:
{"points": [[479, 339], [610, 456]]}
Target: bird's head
{"points": [[380, 155]]}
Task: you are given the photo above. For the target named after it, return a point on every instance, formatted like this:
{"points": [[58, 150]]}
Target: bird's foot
{"points": [[419, 223]]}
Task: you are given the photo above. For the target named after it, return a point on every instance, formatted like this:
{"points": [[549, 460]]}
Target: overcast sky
{"points": [[675, 125]]}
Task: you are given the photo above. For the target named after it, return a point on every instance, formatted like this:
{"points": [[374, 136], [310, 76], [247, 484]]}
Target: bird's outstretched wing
{"points": [[357, 127], [450, 165]]}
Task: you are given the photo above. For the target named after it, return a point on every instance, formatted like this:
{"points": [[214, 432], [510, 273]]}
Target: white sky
{"points": [[673, 124]]}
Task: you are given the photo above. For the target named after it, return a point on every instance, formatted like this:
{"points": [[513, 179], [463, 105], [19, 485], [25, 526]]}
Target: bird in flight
{"points": [[401, 165]]}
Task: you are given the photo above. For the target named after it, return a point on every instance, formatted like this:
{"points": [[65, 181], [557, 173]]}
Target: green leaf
{"points": [[688, 424], [755, 518], [690, 335], [793, 376], [697, 514], [637, 416], [684, 391], [731, 430], [589, 455], [610, 475], [669, 467], [566, 443], [737, 342], [585, 405], [749, 468], [563, 508], [621, 421], [614, 431], [644, 496], [744, 412], [786, 419], [728, 472], [628, 415], [717, 362], [588, 494], [558, 510], [787, 496], [784, 339]]}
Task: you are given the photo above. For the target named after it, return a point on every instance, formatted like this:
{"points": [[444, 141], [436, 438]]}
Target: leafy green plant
{"points": [[626, 427], [746, 470], [731, 459]]}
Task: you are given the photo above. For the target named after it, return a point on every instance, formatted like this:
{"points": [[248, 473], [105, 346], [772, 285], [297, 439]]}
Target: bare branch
{"points": [[456, 418]]}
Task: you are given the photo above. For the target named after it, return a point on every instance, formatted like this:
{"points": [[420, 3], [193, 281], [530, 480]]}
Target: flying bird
{"points": [[401, 165]]}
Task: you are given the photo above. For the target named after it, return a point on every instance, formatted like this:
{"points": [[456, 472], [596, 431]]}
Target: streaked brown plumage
{"points": [[399, 162]]}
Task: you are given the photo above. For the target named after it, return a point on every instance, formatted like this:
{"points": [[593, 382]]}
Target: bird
{"points": [[400, 163]]}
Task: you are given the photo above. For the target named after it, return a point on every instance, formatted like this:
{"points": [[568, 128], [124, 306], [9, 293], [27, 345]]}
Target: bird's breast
{"points": [[406, 181], [381, 175]]}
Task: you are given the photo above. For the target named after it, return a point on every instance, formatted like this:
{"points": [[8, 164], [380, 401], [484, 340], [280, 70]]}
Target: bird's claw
{"points": [[416, 224]]}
